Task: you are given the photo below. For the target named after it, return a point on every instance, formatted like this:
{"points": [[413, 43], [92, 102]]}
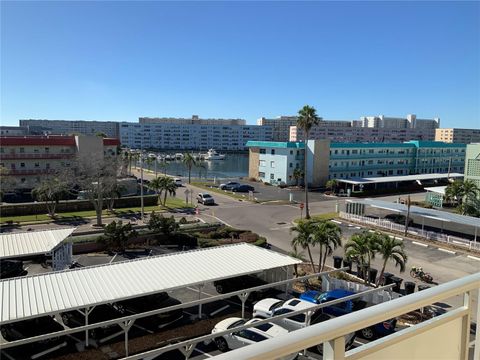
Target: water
{"points": [[233, 166]]}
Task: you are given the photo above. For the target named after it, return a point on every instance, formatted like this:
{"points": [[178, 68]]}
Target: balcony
{"points": [[24, 156], [15, 172]]}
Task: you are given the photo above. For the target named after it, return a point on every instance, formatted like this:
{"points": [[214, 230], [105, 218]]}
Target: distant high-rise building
{"points": [[456, 135], [13, 130], [195, 120], [71, 127]]}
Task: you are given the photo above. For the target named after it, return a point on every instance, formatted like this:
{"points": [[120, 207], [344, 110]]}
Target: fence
{"points": [[394, 227]]}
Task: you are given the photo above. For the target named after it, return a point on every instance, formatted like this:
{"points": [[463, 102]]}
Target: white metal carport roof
{"points": [[37, 295], [387, 179], [31, 243], [422, 212], [437, 189]]}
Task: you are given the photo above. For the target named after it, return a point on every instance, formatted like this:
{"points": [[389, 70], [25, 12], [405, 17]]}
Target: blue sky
{"points": [[122, 60]]}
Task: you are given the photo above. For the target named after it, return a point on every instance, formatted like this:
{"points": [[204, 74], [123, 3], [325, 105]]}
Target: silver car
{"points": [[205, 199]]}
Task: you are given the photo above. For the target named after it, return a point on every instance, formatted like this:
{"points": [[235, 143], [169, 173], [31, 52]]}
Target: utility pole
{"points": [[142, 213], [407, 218]]}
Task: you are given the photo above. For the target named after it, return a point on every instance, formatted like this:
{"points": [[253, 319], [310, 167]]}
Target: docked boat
{"points": [[213, 155], [178, 156]]}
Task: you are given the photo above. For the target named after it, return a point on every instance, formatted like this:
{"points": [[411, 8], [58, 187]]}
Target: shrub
{"points": [[206, 243], [116, 235], [159, 223], [261, 241], [183, 221]]}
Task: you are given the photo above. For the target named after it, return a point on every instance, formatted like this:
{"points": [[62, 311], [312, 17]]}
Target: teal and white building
{"points": [[274, 162]]}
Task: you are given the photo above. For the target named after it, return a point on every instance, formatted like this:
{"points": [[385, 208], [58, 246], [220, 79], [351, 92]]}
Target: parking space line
{"points": [[473, 257], [419, 244], [336, 222], [357, 227], [113, 258], [398, 238], [213, 313], [372, 231], [447, 251]]}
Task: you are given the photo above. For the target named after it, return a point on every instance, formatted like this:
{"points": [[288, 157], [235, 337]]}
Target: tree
{"points": [[328, 236], [160, 223], [454, 192], [149, 161], [462, 193], [101, 134], [297, 175], [306, 120], [391, 249], [50, 190], [117, 235], [165, 185], [361, 248], [97, 176], [304, 240], [189, 162], [297, 255], [332, 185]]}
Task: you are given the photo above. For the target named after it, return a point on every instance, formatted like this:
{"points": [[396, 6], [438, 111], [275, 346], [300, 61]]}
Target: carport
{"points": [[82, 289], [28, 244], [440, 217]]}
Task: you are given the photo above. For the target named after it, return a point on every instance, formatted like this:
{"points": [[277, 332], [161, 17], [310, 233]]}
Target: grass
{"points": [[207, 187], [172, 202], [320, 217]]}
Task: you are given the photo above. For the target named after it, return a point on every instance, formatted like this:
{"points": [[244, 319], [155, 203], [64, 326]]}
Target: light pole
{"points": [[141, 181]]}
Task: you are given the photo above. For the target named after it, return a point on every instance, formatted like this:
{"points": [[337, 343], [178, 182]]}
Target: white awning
{"points": [[49, 293], [393, 179], [14, 245]]}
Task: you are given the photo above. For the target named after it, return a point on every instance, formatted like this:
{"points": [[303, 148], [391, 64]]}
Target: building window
{"points": [[37, 164], [47, 150], [261, 163], [272, 176], [22, 150], [291, 165], [22, 180], [22, 165], [262, 151], [272, 164], [291, 152], [272, 152], [261, 174]]}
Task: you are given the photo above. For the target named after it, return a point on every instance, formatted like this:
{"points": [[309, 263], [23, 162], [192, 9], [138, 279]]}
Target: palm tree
{"points": [[362, 248], [165, 185], [297, 175], [149, 161], [454, 192], [297, 255], [332, 185], [189, 162], [304, 230], [328, 236], [391, 249], [469, 189], [306, 120]]}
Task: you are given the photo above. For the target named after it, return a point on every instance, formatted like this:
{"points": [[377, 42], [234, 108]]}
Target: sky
{"points": [[123, 60]]}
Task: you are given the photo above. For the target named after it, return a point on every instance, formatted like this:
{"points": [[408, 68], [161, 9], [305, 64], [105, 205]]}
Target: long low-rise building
{"points": [[28, 159], [456, 135], [275, 162]]}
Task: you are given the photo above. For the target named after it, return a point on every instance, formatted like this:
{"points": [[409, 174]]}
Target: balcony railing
{"points": [[35, 156], [13, 172], [446, 336]]}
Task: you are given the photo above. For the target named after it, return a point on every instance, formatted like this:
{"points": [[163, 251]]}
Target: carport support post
{"points": [[334, 349], [200, 287], [87, 311], [243, 298], [126, 325]]}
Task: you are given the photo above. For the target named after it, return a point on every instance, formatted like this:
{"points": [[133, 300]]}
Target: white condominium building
{"points": [[173, 136], [455, 135], [71, 127], [195, 119]]}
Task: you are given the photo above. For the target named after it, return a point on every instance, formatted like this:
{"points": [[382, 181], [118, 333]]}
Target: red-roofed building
{"points": [[28, 158]]}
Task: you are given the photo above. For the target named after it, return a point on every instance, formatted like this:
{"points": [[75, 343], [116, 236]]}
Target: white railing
{"points": [[394, 227], [446, 336]]}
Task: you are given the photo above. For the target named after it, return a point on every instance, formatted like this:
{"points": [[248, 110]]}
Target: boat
{"points": [[179, 156], [213, 155]]}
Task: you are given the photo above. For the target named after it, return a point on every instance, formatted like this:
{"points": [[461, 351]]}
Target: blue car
{"points": [[378, 330]]}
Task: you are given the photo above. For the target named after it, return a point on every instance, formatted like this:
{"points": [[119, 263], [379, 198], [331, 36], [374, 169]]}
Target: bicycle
{"points": [[418, 273]]}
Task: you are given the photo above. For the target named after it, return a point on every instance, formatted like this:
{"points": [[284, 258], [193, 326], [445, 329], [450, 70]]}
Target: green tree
{"points": [[306, 120], [163, 185], [304, 239], [117, 235], [295, 253], [328, 236], [463, 194], [189, 161], [390, 249], [50, 191], [149, 161], [361, 248], [454, 192], [101, 134], [160, 223], [297, 175], [332, 185]]}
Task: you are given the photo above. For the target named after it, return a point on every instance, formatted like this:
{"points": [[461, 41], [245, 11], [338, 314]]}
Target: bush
{"points": [[116, 235], [183, 221], [159, 223], [261, 241], [206, 243], [186, 240]]}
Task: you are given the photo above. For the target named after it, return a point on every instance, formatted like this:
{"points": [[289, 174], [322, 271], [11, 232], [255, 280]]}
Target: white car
{"points": [[270, 307], [246, 336], [178, 182]]}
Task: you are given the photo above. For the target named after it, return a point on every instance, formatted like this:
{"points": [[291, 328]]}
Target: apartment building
{"points": [[29, 158], [456, 135], [173, 136], [274, 162], [472, 164], [13, 130], [195, 119], [71, 127]]}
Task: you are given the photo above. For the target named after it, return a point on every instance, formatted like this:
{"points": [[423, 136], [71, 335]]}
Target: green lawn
{"points": [[320, 217], [172, 202], [206, 186]]}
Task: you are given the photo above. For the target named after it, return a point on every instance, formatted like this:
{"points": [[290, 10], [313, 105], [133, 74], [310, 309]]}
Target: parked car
{"points": [[237, 283], [271, 307], [99, 313], [246, 336], [150, 303], [178, 182], [378, 330], [229, 185], [35, 327], [11, 268], [243, 188], [205, 199]]}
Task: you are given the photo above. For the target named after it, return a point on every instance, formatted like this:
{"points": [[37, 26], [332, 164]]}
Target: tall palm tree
{"points": [[297, 175], [306, 120], [362, 248], [304, 230], [391, 249], [189, 161], [149, 161], [469, 189], [328, 236], [163, 185], [295, 253], [454, 192]]}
